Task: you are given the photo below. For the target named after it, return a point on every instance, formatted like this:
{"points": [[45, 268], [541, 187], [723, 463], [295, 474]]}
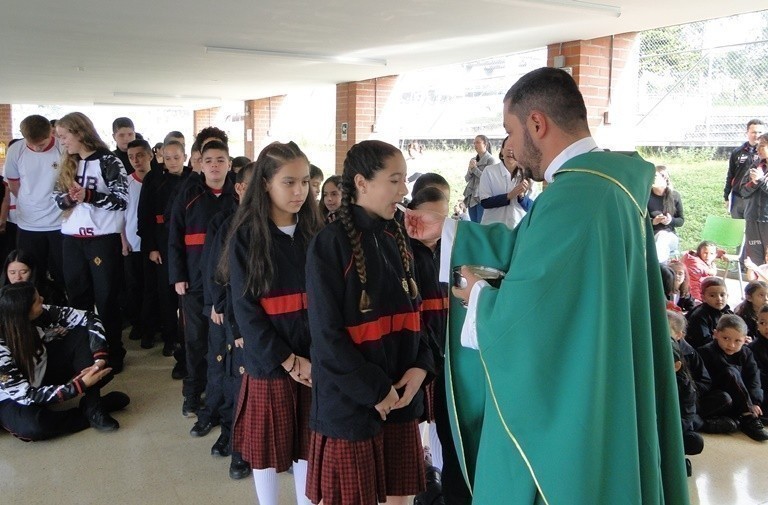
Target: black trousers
{"points": [[455, 490], [66, 358], [140, 291], [233, 379], [92, 273], [730, 381], [168, 305], [215, 375], [45, 247], [195, 343]]}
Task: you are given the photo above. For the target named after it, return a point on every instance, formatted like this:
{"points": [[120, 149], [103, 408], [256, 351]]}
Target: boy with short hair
{"points": [[139, 282], [197, 202], [31, 170], [157, 195], [703, 319], [123, 132], [734, 370]]}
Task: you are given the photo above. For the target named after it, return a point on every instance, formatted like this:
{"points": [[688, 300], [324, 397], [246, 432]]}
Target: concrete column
{"points": [[260, 119]]}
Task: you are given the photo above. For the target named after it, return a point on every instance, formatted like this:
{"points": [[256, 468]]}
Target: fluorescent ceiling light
{"points": [[347, 60], [131, 94]]}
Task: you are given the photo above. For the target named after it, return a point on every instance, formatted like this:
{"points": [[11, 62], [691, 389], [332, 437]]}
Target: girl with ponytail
{"points": [[369, 356]]}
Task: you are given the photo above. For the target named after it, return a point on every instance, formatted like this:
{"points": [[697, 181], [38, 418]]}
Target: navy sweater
{"points": [[193, 209], [274, 325], [357, 357]]}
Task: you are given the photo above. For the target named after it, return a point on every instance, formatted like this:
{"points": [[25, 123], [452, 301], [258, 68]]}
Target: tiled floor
{"points": [[152, 459]]}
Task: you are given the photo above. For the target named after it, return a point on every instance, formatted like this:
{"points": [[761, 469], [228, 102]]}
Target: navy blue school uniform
{"points": [[154, 214], [357, 357], [736, 374], [191, 213], [272, 406], [759, 347], [702, 321], [214, 292]]}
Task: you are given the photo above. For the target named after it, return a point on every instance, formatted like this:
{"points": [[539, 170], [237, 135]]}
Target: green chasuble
{"points": [[571, 398]]}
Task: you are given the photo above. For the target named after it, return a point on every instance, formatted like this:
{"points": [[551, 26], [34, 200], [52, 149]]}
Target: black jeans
{"points": [[92, 273]]}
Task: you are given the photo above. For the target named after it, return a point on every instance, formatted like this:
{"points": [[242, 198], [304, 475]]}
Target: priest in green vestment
{"points": [[561, 383]]}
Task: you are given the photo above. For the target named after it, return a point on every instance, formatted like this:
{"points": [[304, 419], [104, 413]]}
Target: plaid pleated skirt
{"points": [[365, 472], [271, 426]]}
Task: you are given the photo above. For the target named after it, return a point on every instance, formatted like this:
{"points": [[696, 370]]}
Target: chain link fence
{"points": [[700, 83]]}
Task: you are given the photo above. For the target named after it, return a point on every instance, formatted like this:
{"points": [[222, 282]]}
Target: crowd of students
{"points": [[302, 319]]}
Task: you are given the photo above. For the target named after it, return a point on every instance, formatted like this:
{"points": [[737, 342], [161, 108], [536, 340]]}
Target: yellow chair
{"points": [[728, 234]]}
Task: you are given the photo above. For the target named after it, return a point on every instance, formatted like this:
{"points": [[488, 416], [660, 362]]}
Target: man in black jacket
{"points": [[742, 159]]}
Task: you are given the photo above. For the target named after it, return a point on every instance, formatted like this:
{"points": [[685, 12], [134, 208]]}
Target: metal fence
{"points": [[699, 83]]}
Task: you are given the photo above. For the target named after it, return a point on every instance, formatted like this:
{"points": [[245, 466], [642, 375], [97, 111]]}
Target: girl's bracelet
{"points": [[295, 360]]}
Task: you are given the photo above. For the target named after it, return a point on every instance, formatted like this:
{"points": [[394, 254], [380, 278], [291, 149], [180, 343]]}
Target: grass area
{"points": [[699, 182]]}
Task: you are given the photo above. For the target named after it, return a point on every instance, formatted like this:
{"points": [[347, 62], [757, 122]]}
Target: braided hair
{"points": [[365, 159]]}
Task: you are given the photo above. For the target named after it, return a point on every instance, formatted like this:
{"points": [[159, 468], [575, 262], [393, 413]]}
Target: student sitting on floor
{"points": [[47, 355], [755, 296], [759, 347], [734, 370], [703, 319]]}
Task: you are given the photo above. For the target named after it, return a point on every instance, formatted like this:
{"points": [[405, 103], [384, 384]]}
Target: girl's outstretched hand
{"points": [[411, 380]]}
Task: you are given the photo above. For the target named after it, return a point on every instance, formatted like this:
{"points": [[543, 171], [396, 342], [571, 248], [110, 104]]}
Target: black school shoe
{"points": [[201, 429], [179, 371], [238, 469], [752, 427], [721, 424], [190, 406], [101, 421], [221, 446]]}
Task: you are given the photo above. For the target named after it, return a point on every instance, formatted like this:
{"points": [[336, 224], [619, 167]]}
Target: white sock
{"points": [[266, 486], [435, 447], [300, 482]]}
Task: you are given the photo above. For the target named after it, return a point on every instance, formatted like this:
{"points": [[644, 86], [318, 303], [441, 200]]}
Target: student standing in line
{"points": [[154, 215], [31, 170], [369, 355], [92, 192], [266, 254], [199, 199]]}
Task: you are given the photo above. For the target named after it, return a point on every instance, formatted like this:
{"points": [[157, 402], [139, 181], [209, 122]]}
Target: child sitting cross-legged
{"points": [[703, 318], [734, 370]]}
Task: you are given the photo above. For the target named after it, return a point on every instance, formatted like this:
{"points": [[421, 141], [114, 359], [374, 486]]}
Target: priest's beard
{"points": [[530, 158]]}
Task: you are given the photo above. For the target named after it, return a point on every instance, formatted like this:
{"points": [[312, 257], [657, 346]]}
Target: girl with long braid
{"points": [[369, 356], [264, 261]]}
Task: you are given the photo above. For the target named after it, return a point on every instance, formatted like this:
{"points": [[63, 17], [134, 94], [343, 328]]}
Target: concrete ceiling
{"points": [[145, 52]]}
